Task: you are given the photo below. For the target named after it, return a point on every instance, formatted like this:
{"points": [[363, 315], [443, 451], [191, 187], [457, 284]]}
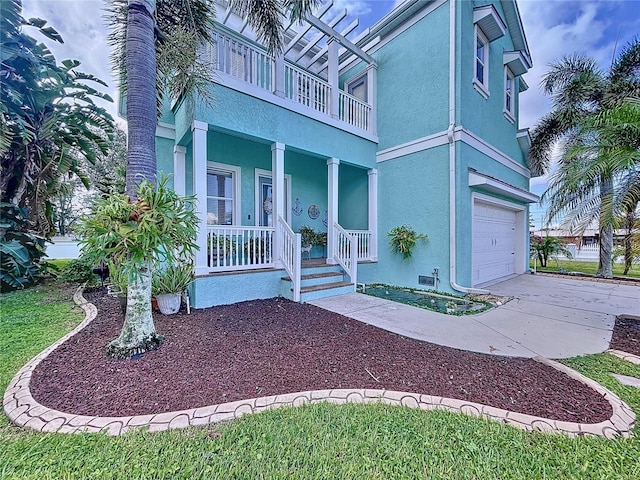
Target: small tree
{"points": [[545, 247], [159, 227]]}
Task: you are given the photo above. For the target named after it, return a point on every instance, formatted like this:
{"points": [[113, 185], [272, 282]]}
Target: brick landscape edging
{"points": [[23, 410]]}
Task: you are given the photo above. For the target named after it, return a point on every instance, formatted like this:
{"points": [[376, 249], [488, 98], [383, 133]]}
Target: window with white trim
{"points": [[222, 194], [481, 72], [509, 97]]}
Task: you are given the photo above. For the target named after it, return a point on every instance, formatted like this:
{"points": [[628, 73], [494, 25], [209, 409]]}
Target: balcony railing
{"points": [[239, 248], [249, 63], [241, 60], [353, 110], [305, 89]]}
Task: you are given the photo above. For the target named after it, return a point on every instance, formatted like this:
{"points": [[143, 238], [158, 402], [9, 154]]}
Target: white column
{"points": [[373, 213], [277, 181], [333, 165], [333, 75], [179, 172], [278, 76], [199, 131], [372, 96]]}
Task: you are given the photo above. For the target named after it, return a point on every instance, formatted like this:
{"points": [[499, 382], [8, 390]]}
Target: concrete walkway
{"points": [[549, 316]]}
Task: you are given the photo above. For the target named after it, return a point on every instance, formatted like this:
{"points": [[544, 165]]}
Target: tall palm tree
{"points": [[142, 29], [580, 92]]}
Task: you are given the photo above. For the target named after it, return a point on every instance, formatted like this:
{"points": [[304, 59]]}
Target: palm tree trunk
{"points": [[138, 333], [141, 94], [606, 230]]}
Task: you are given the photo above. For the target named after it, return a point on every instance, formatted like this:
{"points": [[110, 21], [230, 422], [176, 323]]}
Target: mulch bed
{"points": [[626, 335], [267, 347]]}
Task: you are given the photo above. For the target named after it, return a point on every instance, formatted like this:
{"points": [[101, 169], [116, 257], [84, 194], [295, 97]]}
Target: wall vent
{"points": [[426, 280]]}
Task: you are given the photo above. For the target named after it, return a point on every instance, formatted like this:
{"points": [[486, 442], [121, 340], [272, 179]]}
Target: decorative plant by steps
{"points": [[403, 240], [159, 228], [311, 237]]}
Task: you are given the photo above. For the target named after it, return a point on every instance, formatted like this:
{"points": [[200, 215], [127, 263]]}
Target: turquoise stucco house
{"points": [[414, 121]]}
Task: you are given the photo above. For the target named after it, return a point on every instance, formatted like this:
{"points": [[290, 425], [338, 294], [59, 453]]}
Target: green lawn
{"points": [[585, 267], [319, 441]]}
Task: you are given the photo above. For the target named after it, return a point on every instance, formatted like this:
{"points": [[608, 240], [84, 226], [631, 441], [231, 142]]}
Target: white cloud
{"points": [[555, 29], [355, 8], [84, 32]]}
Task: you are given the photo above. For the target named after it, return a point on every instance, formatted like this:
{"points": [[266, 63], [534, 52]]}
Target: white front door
{"points": [[494, 242]]}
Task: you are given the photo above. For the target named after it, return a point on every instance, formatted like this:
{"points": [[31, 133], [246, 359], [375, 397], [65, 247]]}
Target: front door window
{"points": [[264, 207]]}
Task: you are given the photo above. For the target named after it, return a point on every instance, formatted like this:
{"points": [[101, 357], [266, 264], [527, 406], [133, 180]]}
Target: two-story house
{"points": [[412, 122]]}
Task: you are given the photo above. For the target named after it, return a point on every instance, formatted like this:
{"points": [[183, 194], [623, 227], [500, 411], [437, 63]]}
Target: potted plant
{"points": [[168, 284], [220, 248], [256, 249], [403, 240], [311, 238], [451, 306]]}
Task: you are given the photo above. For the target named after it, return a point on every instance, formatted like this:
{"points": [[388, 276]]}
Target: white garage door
{"points": [[494, 242]]}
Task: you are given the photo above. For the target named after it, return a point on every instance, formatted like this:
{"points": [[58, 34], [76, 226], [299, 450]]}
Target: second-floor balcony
{"points": [[241, 59]]}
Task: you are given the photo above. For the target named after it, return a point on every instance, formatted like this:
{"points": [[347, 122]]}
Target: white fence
{"points": [[62, 248]]}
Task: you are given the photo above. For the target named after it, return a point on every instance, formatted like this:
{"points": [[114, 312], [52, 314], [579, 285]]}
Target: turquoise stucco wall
{"points": [[237, 112], [473, 109], [164, 157], [412, 81], [247, 155], [309, 186], [414, 190], [226, 289], [353, 193]]}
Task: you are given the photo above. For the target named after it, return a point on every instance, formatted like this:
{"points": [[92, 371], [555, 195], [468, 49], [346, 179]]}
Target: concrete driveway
{"points": [[554, 317]]}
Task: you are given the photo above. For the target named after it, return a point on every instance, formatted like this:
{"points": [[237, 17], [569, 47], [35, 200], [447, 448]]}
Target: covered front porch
{"points": [[257, 195]]}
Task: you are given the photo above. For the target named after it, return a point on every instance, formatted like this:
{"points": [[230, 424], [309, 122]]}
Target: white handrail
{"points": [[290, 254], [345, 251], [231, 247], [364, 243]]}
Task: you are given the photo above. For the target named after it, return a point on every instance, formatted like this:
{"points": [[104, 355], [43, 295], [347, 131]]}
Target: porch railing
{"points": [[249, 63], [290, 254], [353, 110], [242, 60], [239, 248], [363, 240], [345, 251], [305, 89]]}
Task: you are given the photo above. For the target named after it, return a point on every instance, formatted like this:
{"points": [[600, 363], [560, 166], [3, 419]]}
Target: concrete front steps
{"points": [[318, 281]]}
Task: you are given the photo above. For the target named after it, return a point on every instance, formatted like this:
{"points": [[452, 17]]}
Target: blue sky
{"points": [[553, 27]]}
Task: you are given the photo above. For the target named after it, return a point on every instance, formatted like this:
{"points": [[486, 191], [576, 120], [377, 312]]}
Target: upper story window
{"points": [[481, 78], [488, 26], [509, 95]]}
